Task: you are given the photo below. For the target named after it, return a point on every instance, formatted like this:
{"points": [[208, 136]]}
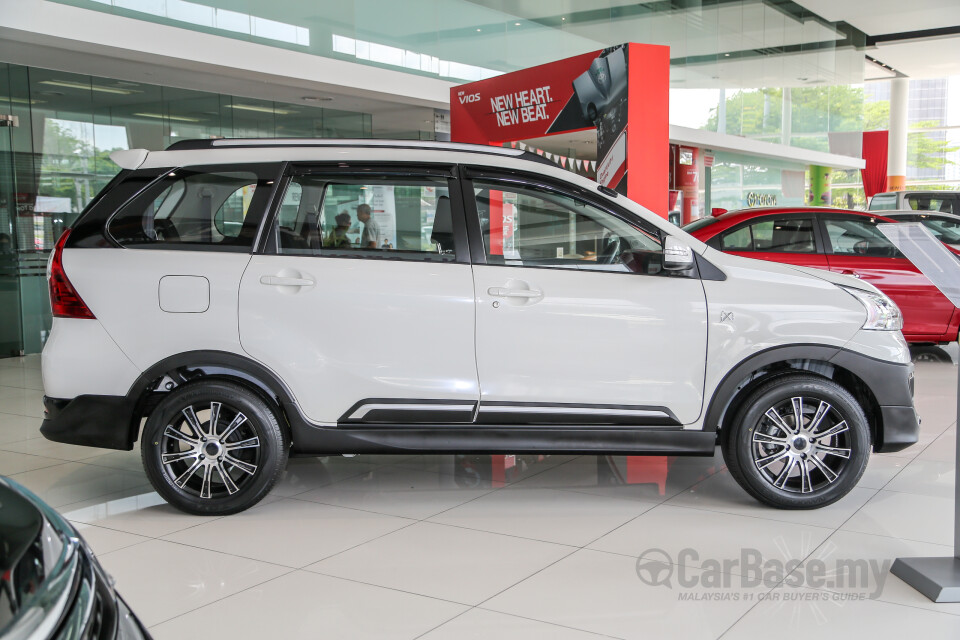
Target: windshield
{"points": [[696, 225]]}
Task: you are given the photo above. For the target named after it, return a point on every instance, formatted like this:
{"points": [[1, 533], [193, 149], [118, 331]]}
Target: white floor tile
{"points": [[873, 579], [142, 512], [395, 491], [17, 428], [563, 517], [721, 492], [161, 580], [602, 593], [12, 462], [304, 474], [307, 606], [103, 540], [72, 482], [710, 537], [462, 565], [925, 477], [907, 516], [817, 615], [480, 624], [292, 533]]}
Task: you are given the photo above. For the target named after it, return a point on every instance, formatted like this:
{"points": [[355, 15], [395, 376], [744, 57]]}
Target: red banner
{"points": [[603, 90]]}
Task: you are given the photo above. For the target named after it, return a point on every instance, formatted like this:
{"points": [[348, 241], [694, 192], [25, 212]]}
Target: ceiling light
{"points": [[160, 116], [258, 109], [316, 98], [21, 100], [92, 87], [479, 30], [516, 24], [726, 55]]}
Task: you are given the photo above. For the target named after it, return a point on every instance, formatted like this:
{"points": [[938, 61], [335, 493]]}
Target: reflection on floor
{"points": [[471, 546]]}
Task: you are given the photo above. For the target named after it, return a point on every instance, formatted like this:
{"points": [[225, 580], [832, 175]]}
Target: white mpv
{"points": [[255, 299]]}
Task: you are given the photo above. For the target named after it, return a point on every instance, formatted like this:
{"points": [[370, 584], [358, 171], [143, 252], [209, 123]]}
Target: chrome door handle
{"points": [[851, 273], [502, 292], [283, 281]]}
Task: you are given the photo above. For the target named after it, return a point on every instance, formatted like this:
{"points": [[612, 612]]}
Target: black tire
{"points": [[220, 471], [820, 473]]}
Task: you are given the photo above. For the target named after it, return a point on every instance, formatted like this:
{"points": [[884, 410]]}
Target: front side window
{"points": [[197, 208], [929, 202], [525, 226], [858, 237], [367, 217], [775, 235]]}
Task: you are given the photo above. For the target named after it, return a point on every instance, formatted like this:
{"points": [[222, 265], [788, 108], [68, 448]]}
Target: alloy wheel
{"points": [[801, 445], [210, 451]]}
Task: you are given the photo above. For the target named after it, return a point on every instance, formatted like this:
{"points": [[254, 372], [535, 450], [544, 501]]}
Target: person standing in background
{"points": [[370, 238]]}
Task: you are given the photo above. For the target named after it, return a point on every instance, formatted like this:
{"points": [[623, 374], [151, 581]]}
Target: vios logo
{"points": [[464, 99]]}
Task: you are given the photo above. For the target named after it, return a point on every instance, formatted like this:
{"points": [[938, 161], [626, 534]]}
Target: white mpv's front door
{"points": [[576, 320], [363, 309]]}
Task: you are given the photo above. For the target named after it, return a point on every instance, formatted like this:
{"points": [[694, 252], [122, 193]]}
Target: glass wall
{"points": [[739, 181], [57, 158]]}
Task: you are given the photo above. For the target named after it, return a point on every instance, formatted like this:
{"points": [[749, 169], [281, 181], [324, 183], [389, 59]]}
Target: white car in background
{"points": [[539, 313]]}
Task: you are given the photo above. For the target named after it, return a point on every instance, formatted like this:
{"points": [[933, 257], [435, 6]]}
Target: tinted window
{"points": [[527, 226], [344, 216], [778, 235], [197, 208], [945, 229], [858, 237], [884, 202], [929, 202]]}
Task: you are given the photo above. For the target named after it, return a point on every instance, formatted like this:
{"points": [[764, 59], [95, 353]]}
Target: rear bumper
{"points": [[92, 421]]}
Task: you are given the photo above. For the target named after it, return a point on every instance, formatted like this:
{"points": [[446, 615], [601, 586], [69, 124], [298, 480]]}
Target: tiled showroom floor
{"points": [[435, 547]]}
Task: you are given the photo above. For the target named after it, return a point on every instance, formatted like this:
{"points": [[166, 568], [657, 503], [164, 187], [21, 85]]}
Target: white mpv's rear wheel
{"points": [[213, 448], [798, 442]]}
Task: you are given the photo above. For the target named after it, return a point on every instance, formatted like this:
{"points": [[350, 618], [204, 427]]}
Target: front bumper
{"points": [[91, 421], [892, 385]]}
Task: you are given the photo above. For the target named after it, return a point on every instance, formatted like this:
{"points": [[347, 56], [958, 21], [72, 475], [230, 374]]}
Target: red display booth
{"points": [[622, 92]]}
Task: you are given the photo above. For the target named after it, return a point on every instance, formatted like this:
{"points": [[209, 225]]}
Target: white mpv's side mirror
{"points": [[676, 255]]}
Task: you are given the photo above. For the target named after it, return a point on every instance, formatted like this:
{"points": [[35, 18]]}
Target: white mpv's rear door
{"points": [[364, 302]]}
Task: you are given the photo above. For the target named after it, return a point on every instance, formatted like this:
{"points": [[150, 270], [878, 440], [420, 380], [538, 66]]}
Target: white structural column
{"points": [[786, 120], [897, 141]]}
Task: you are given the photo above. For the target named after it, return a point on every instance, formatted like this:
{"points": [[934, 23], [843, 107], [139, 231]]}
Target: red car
{"points": [[838, 240]]}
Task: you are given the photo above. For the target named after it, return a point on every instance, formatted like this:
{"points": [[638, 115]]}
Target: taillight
{"points": [[65, 302]]}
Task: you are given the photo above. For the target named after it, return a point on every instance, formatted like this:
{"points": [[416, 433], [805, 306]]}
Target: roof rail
{"points": [[242, 143]]}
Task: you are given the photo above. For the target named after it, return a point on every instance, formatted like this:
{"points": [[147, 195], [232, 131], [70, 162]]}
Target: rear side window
{"points": [[198, 208], [929, 202], [883, 202], [346, 216], [775, 235]]}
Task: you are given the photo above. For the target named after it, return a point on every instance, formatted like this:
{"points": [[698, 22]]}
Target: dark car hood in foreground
{"points": [[51, 585]]}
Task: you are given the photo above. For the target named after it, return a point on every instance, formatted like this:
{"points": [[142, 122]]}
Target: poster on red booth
{"points": [[584, 92]]}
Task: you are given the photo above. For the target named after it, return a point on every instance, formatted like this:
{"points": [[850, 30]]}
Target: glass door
{"points": [[11, 329]]}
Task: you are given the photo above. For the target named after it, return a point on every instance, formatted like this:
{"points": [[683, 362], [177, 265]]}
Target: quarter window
{"points": [[774, 235], [366, 217], [197, 208], [525, 226]]}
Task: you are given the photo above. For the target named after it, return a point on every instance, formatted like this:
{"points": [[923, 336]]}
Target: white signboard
{"points": [[384, 211], [932, 257]]}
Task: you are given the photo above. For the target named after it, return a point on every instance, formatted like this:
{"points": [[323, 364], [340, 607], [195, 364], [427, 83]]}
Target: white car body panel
{"points": [[81, 358], [593, 338], [127, 303], [367, 329]]}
